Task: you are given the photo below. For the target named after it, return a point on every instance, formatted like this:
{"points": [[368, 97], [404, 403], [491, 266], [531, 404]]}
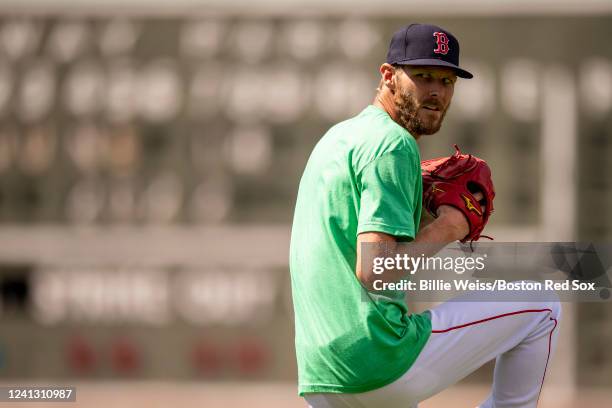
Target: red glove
{"points": [[453, 181]]}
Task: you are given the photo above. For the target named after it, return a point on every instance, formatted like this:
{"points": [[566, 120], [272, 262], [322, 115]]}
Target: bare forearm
{"points": [[429, 241], [437, 234], [426, 218]]}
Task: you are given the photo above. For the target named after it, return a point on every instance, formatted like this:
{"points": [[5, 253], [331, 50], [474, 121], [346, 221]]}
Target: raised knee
{"points": [[555, 306], [552, 303], [545, 299]]}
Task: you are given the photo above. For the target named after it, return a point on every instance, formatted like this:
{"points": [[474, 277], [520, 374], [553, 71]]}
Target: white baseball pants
{"points": [[466, 334]]}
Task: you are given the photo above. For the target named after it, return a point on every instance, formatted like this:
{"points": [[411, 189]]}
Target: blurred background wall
{"points": [[150, 155]]}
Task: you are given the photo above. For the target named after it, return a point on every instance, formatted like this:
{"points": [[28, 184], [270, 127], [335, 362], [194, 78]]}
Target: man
{"points": [[362, 184]]}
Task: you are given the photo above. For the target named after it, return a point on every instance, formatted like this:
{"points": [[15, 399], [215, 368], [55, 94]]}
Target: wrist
{"points": [[453, 222]]}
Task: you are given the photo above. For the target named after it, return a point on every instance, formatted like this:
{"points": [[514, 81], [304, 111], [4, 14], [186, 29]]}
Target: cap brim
{"points": [[462, 73]]}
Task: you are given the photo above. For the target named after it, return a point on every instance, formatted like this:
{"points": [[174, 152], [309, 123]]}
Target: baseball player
{"points": [[363, 183]]}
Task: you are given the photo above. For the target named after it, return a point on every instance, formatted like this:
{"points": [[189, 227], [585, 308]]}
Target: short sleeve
{"points": [[390, 186]]}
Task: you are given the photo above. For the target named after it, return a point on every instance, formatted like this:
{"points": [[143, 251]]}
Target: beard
{"points": [[408, 108]]}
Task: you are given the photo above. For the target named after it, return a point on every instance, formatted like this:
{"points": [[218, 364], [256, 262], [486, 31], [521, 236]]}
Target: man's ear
{"points": [[387, 73]]}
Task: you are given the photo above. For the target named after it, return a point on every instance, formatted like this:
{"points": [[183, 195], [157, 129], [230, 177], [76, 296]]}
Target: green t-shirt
{"points": [[363, 175]]}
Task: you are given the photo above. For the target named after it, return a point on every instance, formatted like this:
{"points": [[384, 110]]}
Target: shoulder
{"points": [[380, 137]]}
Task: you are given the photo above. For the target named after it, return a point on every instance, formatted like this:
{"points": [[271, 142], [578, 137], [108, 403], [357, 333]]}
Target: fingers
{"points": [[480, 198]]}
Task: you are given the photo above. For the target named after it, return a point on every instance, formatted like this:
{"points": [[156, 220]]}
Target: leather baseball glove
{"points": [[453, 181]]}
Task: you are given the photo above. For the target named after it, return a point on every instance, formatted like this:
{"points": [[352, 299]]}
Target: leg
{"points": [[466, 335], [526, 359]]}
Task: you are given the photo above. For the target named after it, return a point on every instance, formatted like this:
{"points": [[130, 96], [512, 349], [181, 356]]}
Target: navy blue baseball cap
{"points": [[425, 44]]}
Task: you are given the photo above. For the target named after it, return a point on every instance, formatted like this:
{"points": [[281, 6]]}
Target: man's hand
{"points": [[455, 220]]}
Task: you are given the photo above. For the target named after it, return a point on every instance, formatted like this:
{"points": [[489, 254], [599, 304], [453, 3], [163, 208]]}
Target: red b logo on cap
{"points": [[442, 42]]}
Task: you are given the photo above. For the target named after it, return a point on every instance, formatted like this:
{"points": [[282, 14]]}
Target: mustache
{"points": [[435, 103]]}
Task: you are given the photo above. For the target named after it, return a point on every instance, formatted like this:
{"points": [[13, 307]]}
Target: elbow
{"points": [[367, 279]]}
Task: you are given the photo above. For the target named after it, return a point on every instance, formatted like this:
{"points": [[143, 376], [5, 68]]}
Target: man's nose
{"points": [[436, 89]]}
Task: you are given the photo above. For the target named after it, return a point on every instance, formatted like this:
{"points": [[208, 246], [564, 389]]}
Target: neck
{"points": [[384, 100]]}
